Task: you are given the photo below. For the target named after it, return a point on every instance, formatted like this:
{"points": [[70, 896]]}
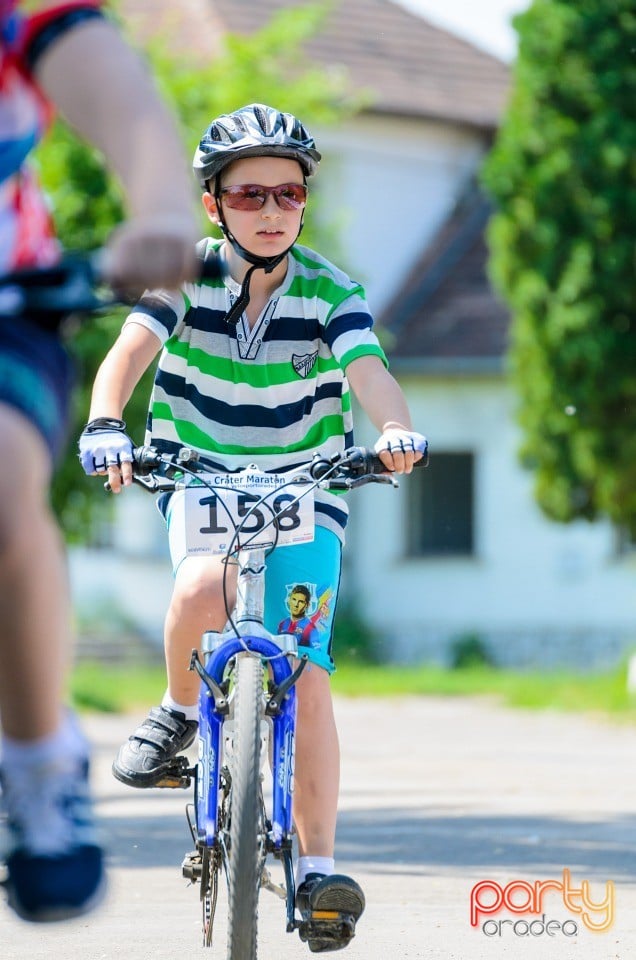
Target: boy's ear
{"points": [[210, 206]]}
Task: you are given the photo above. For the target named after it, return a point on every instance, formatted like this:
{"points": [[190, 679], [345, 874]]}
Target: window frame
{"points": [[421, 482]]}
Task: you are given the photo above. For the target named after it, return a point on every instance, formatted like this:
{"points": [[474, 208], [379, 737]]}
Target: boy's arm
{"points": [[122, 368], [382, 400]]}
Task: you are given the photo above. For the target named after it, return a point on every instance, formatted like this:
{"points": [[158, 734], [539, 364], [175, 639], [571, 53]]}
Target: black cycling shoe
{"points": [[330, 907], [148, 756]]}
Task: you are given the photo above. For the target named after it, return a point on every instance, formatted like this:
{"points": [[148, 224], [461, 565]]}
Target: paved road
{"points": [[437, 795]]}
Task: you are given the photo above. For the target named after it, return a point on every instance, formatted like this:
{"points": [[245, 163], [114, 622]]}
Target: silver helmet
{"points": [[253, 131]]}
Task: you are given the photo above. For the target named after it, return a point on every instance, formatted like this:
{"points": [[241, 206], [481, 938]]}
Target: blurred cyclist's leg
{"points": [[55, 867], [34, 601]]}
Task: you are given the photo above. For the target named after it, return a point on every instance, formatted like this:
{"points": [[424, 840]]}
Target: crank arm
{"points": [[268, 884]]}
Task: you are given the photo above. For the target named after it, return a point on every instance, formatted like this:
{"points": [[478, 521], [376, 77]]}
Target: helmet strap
{"points": [[235, 312]]}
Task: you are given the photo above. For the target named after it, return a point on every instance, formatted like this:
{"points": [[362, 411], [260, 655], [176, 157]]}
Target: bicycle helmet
{"points": [[253, 131]]}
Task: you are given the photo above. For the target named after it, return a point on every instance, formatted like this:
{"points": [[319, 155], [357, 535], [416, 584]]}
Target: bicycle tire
{"points": [[246, 828]]}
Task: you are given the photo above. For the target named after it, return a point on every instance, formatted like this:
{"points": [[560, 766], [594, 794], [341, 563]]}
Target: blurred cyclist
{"points": [[70, 56]]}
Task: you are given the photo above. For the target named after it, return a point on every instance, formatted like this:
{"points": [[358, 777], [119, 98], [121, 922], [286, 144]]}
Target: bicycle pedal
{"points": [[192, 866], [327, 930], [178, 775]]}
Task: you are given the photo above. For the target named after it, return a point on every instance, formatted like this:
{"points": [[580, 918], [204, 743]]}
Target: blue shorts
{"points": [[36, 379], [301, 592], [301, 589]]}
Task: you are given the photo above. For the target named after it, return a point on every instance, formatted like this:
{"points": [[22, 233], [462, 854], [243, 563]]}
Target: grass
{"points": [[118, 688], [579, 692]]}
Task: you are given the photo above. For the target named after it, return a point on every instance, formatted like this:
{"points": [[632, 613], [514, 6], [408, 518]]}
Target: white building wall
{"points": [[535, 591], [389, 185]]}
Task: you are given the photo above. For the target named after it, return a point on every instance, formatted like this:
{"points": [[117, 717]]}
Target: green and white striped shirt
{"points": [[272, 395]]}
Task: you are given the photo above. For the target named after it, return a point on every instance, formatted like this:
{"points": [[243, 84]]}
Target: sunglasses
{"points": [[251, 196]]}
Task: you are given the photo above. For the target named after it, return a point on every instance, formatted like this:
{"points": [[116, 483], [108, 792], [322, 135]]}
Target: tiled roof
{"points": [[192, 25], [408, 66], [448, 316]]}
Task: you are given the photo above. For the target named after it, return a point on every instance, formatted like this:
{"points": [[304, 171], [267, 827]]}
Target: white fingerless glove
{"points": [[104, 443], [401, 441]]}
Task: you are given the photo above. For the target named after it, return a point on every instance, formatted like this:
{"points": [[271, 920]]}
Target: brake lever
{"points": [[151, 483], [351, 483], [374, 478]]}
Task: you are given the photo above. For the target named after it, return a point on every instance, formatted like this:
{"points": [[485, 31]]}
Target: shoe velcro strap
{"points": [[159, 728]]}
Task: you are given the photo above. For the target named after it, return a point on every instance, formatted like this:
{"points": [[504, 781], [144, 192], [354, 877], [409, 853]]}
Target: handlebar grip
{"points": [[145, 459], [364, 461]]}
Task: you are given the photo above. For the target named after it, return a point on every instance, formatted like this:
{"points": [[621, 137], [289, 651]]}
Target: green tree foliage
{"points": [[563, 176], [269, 67]]}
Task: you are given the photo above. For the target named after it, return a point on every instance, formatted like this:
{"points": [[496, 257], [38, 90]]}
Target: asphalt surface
{"points": [[437, 795]]}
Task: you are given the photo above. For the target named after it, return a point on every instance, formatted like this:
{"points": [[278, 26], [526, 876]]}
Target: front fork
{"points": [[213, 709]]}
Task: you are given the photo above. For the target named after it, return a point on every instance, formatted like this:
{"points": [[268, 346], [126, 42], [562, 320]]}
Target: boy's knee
{"points": [[189, 594], [197, 597], [313, 689]]}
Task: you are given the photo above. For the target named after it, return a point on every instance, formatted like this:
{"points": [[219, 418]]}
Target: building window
{"points": [[441, 507]]}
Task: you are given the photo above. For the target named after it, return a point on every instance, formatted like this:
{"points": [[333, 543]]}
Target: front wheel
{"points": [[246, 827]]}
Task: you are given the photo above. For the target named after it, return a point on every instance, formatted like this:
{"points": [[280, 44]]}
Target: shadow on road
{"points": [[421, 842], [425, 841]]}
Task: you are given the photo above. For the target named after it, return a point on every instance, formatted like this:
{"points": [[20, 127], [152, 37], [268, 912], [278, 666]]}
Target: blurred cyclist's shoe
{"points": [[147, 757], [54, 866]]}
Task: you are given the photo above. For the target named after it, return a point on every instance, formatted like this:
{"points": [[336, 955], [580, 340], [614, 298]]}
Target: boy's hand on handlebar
{"points": [[400, 449], [106, 449]]}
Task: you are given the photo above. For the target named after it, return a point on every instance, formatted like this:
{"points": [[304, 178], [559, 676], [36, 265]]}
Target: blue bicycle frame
{"points": [[211, 720]]}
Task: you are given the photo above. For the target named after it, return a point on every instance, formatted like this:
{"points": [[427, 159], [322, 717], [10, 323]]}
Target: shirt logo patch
{"points": [[304, 363]]}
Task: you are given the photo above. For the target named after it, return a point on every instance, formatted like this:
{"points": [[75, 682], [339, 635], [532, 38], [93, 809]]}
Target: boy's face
{"points": [[271, 229]]}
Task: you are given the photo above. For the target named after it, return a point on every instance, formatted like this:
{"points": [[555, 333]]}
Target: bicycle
{"points": [[242, 719]]}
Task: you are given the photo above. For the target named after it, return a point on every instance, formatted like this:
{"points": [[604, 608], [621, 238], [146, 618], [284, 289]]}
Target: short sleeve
{"points": [[349, 330], [160, 311]]}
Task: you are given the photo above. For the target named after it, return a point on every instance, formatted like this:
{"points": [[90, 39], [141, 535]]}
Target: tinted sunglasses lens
{"points": [[290, 196], [244, 197]]}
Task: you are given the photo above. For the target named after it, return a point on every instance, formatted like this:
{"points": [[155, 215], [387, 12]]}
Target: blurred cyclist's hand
{"points": [[157, 251]]}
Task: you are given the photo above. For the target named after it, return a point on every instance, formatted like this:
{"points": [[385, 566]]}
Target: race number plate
{"points": [[266, 507]]}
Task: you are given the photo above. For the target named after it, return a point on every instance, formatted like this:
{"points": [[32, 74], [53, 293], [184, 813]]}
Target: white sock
{"points": [[305, 865], [191, 712], [38, 775], [67, 741]]}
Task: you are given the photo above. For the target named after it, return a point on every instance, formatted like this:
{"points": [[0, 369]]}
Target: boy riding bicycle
{"points": [[253, 371]]}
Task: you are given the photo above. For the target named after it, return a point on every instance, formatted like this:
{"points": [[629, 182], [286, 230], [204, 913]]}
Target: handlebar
{"points": [[156, 472], [76, 284]]}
